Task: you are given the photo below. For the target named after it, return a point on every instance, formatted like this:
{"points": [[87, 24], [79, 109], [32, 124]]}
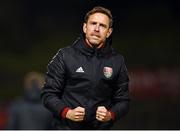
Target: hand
{"points": [[76, 114], [102, 114]]}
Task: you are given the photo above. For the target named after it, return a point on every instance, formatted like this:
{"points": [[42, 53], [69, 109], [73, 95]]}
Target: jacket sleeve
{"points": [[54, 85], [121, 93]]}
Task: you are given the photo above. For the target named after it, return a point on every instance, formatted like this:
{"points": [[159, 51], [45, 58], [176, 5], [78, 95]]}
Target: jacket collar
{"points": [[82, 46]]}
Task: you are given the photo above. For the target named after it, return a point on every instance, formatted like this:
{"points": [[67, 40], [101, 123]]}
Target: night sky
{"points": [[139, 27]]}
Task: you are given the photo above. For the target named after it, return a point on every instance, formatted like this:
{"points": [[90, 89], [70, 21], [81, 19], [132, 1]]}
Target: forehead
{"points": [[99, 17]]}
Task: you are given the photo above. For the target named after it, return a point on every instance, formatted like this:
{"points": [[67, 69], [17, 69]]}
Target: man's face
{"points": [[97, 29]]}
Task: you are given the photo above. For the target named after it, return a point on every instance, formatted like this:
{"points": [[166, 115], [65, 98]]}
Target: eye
{"points": [[93, 23], [103, 25]]}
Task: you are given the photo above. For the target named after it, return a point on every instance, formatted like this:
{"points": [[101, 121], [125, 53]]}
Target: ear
{"points": [[84, 28], [110, 30]]}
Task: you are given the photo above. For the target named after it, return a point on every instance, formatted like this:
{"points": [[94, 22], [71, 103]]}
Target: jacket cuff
{"points": [[64, 112], [112, 115]]}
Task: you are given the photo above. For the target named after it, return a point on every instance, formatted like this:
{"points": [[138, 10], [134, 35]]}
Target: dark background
{"points": [[146, 33]]}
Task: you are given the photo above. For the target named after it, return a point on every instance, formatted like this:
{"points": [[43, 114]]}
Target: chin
{"points": [[93, 42]]}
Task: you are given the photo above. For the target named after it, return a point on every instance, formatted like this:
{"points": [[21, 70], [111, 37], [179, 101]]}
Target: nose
{"points": [[97, 28]]}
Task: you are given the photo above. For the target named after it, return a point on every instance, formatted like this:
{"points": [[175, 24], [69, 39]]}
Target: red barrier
{"points": [[153, 84]]}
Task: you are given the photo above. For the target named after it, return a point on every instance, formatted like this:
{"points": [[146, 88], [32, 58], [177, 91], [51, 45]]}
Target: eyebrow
{"points": [[101, 24]]}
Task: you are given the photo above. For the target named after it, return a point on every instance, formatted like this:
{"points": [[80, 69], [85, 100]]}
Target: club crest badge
{"points": [[108, 71]]}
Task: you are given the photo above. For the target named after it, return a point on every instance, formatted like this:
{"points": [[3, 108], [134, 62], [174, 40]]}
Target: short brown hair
{"points": [[99, 9]]}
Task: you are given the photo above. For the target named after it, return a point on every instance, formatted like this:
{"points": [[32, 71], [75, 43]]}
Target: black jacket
{"points": [[88, 77]]}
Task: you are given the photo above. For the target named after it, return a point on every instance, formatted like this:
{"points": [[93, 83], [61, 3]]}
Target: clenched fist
{"points": [[76, 114], [102, 114]]}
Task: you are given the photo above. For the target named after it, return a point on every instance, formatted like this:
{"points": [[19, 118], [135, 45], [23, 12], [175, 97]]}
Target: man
{"points": [[27, 112], [86, 84]]}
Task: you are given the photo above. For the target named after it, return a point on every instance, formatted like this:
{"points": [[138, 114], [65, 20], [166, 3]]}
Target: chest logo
{"points": [[80, 70], [108, 71]]}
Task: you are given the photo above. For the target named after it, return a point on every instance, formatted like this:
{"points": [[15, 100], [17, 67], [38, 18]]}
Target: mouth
{"points": [[96, 36]]}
